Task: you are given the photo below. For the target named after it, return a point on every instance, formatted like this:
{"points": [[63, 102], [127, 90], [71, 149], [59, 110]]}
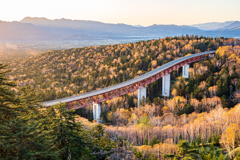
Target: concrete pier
{"points": [[96, 111], [185, 72], [166, 85], [142, 92]]}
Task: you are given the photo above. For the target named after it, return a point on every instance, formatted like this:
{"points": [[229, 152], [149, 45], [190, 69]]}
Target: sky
{"points": [[133, 12]]}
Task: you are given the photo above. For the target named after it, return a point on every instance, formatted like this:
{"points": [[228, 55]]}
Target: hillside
{"points": [[199, 117], [197, 121], [60, 73]]}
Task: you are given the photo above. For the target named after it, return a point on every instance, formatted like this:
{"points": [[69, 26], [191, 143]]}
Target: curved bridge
{"points": [[98, 96]]}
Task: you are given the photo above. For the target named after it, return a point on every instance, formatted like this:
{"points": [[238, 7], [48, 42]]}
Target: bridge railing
{"points": [[110, 92]]}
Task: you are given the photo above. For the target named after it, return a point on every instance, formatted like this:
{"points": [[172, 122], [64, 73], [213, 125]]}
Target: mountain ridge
{"points": [[64, 28], [44, 34], [232, 26]]}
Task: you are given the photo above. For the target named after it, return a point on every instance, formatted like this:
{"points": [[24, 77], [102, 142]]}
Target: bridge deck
{"points": [[126, 83]]}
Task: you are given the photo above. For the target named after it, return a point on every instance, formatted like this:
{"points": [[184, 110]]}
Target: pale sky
{"points": [[133, 12]]}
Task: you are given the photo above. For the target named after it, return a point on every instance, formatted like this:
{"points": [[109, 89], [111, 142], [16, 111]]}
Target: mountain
{"points": [[212, 25], [64, 23], [99, 28], [232, 26], [66, 31], [43, 34], [138, 26], [12, 31]]}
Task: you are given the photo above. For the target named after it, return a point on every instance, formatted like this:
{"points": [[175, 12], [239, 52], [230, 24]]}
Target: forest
{"points": [[200, 120]]}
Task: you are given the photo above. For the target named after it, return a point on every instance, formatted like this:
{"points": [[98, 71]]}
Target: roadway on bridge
{"points": [[126, 83]]}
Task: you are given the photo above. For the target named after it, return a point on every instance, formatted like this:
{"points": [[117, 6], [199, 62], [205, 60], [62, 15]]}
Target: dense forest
{"points": [[61, 73], [200, 120]]}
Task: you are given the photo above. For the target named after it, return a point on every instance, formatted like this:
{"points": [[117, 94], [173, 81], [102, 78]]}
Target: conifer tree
{"points": [[7, 97], [202, 152], [180, 137], [153, 141], [146, 141], [8, 110], [25, 140], [220, 157], [217, 140], [214, 157], [198, 139], [70, 137], [21, 134], [210, 139]]}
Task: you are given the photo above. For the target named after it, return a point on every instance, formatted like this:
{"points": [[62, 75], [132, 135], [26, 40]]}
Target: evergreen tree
{"points": [[70, 137], [216, 141], [202, 152], [139, 155], [210, 139], [151, 157], [8, 98], [214, 157], [153, 141], [146, 141], [220, 157], [211, 147], [180, 137], [238, 84], [199, 139], [208, 157], [25, 140], [21, 134], [98, 131]]}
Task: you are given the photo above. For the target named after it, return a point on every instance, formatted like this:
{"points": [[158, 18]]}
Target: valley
{"points": [[194, 122]]}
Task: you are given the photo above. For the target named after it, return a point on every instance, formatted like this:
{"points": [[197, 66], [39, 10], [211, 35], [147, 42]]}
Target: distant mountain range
{"points": [[59, 31], [34, 29], [212, 25]]}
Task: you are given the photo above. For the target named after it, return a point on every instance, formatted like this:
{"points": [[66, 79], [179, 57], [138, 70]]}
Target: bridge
{"points": [[96, 97]]}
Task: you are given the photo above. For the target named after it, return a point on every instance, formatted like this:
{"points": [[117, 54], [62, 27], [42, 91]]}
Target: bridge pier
{"points": [[185, 72], [166, 85], [142, 92], [96, 110]]}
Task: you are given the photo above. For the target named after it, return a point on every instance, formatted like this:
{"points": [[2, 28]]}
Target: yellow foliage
{"points": [[235, 57], [229, 137], [188, 54], [222, 50], [165, 109], [174, 92], [139, 72], [154, 63], [167, 127], [145, 148]]}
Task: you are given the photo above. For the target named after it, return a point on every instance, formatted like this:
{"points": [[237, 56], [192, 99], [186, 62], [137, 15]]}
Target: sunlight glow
{"points": [[134, 12]]}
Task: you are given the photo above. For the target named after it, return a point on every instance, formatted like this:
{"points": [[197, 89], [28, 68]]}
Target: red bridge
{"points": [[96, 97]]}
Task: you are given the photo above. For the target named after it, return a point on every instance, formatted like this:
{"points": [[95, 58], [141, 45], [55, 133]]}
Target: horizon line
{"points": [[116, 23]]}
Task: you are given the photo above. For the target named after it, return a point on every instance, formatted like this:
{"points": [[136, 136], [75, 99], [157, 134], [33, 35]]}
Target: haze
{"points": [[133, 12]]}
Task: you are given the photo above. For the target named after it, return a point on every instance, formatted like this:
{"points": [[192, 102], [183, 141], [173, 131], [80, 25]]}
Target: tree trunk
{"points": [[117, 139]]}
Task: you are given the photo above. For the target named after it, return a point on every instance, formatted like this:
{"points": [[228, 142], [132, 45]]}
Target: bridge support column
{"points": [[166, 85], [142, 92], [185, 72], [96, 110]]}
